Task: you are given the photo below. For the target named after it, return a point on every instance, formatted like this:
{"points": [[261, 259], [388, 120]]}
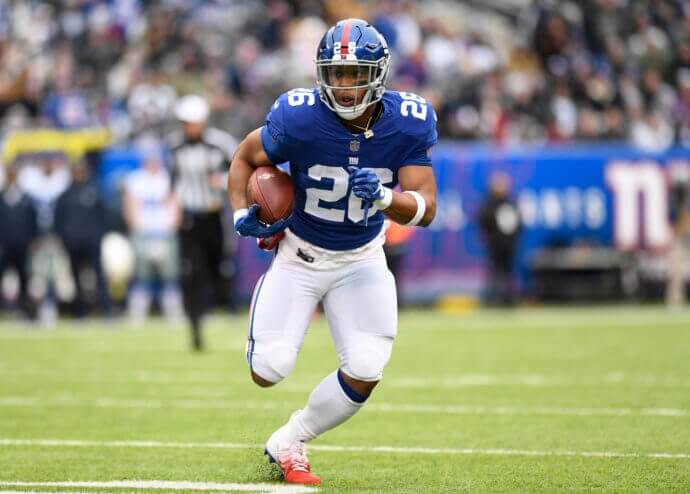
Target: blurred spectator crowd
{"points": [[507, 72], [502, 71]]}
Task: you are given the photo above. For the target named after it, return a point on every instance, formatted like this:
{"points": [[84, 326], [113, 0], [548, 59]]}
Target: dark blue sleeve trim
{"points": [[418, 156], [271, 147]]}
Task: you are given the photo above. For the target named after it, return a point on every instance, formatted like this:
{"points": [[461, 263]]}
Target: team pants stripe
{"points": [[250, 346]]}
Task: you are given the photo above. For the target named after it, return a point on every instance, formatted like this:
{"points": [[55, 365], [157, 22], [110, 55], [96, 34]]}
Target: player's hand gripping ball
{"points": [[250, 226], [271, 195]]}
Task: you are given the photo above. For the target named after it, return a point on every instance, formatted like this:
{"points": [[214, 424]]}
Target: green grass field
{"points": [[581, 399]]}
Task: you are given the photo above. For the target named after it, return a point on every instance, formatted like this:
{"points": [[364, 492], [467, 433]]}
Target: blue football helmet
{"points": [[357, 44]]}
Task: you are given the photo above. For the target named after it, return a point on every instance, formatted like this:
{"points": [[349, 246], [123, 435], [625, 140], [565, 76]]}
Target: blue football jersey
{"points": [[303, 131]]}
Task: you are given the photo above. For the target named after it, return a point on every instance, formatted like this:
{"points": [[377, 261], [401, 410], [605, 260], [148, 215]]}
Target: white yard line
{"points": [[534, 380], [173, 485], [341, 449], [3, 491], [218, 377], [67, 400], [510, 410]]}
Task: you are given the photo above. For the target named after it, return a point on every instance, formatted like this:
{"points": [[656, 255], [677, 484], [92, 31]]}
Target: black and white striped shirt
{"points": [[195, 163]]}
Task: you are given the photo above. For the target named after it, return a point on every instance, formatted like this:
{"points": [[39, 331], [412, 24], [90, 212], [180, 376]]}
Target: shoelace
{"points": [[295, 457]]}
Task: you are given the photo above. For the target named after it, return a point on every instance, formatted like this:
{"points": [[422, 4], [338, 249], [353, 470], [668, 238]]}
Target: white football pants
{"points": [[359, 301]]}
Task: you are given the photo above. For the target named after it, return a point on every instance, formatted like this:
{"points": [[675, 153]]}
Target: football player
{"points": [[349, 143]]}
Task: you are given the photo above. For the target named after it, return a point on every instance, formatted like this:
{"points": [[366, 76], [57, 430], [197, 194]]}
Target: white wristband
{"points": [[421, 208], [386, 200], [240, 213]]}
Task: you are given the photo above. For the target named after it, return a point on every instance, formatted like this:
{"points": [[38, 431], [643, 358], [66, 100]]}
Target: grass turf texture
{"points": [[540, 385]]}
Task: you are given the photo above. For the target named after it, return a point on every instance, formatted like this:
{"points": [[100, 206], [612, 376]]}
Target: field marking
{"points": [[146, 377], [68, 400], [211, 378], [340, 449], [3, 491], [533, 380], [521, 319], [183, 485], [511, 410]]}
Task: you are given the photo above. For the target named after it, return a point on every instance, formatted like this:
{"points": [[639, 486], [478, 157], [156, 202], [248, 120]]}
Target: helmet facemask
{"points": [[367, 79]]}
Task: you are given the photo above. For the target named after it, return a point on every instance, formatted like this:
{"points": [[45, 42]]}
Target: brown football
{"points": [[272, 189]]}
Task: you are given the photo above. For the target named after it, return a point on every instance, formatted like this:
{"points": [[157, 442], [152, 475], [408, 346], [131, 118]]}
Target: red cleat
{"points": [[294, 463]]}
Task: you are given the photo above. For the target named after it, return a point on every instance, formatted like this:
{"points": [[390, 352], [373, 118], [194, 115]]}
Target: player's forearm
{"points": [[240, 171], [249, 155], [404, 207]]}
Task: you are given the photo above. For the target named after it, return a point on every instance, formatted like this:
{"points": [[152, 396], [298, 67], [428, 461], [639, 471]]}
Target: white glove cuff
{"points": [[237, 215], [421, 208], [386, 200]]}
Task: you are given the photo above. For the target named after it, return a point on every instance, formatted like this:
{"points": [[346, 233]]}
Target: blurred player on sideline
{"points": [[152, 213], [679, 251], [18, 232], [349, 143], [78, 221], [500, 224]]}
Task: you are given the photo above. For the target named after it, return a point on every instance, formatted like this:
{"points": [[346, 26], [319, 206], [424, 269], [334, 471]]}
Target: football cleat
{"points": [[293, 461]]}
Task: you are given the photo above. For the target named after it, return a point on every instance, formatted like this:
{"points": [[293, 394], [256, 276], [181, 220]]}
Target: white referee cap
{"points": [[192, 108]]}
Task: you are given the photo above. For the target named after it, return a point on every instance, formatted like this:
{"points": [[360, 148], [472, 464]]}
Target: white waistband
{"points": [[295, 249]]}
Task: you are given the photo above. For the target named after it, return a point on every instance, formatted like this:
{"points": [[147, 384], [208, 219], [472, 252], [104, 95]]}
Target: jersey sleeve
{"points": [[274, 137], [424, 140]]}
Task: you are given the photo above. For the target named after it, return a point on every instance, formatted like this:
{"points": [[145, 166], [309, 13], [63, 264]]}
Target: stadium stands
{"points": [[79, 77]]}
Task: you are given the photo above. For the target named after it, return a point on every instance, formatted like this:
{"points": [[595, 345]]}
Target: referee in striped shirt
{"points": [[200, 162]]}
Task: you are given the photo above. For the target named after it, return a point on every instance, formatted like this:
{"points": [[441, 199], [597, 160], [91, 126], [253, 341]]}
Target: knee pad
{"points": [[275, 363], [365, 364]]}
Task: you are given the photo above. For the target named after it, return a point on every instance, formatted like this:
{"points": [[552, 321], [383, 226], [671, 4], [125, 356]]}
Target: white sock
{"points": [[171, 300], [138, 305], [328, 407]]}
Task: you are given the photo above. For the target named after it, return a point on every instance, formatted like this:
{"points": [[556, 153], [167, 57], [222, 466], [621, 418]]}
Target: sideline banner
{"points": [[72, 143]]}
